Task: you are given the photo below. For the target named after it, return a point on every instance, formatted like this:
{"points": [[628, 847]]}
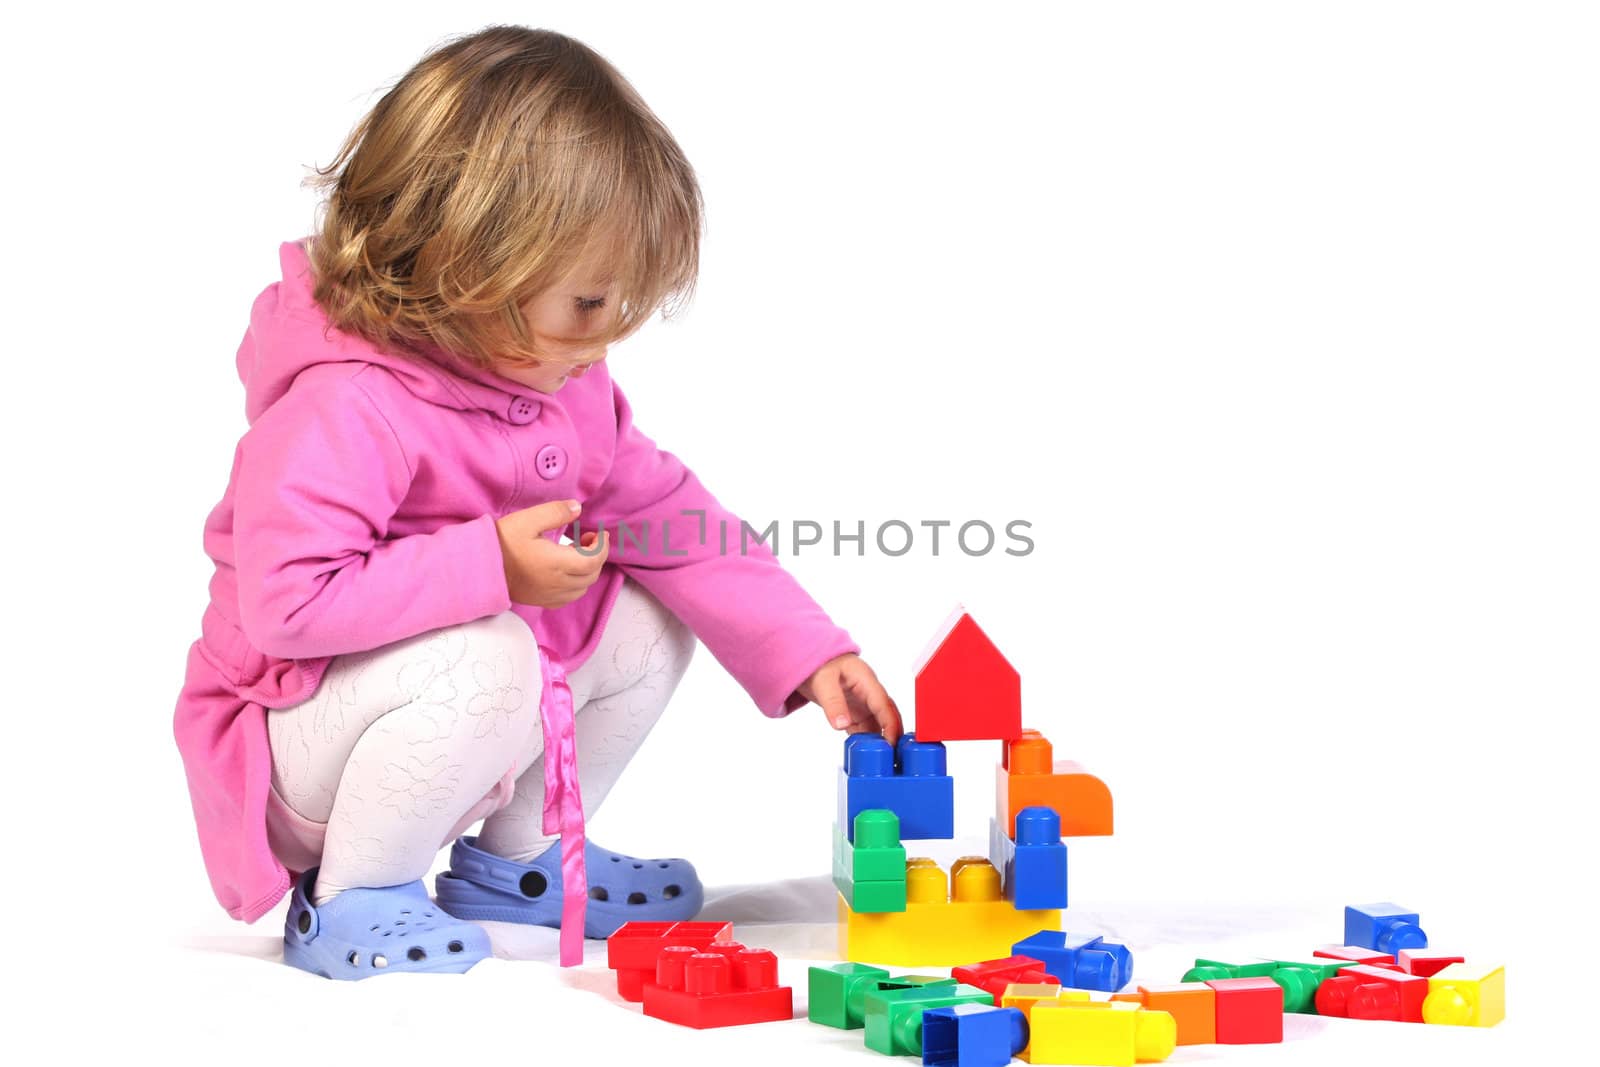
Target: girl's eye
{"points": [[590, 303]]}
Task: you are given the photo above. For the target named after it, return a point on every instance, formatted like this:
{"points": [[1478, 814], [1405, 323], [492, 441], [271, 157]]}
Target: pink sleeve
{"points": [[751, 614], [316, 482]]}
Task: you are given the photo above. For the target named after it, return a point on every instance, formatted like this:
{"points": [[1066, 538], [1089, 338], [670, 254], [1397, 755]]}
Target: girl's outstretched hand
{"points": [[853, 698]]}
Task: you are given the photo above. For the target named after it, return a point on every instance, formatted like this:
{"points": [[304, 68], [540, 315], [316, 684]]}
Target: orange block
{"points": [[1193, 1005], [1027, 777]]}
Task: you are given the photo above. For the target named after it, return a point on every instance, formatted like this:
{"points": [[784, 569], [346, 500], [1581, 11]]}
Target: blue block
{"points": [[909, 780], [1080, 962], [1033, 868], [972, 1035], [1383, 928]]}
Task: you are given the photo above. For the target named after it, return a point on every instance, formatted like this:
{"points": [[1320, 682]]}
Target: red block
{"points": [[1355, 954], [730, 985], [1365, 992], [965, 689], [992, 976], [1426, 963], [633, 949], [1249, 1010]]}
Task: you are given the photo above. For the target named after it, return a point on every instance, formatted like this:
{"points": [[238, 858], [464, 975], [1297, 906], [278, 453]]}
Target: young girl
{"points": [[398, 642]]}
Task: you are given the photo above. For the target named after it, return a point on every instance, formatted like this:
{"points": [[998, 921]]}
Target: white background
{"points": [[1276, 321]]}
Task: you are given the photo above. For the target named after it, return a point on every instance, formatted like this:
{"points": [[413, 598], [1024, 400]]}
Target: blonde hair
{"points": [[481, 179]]}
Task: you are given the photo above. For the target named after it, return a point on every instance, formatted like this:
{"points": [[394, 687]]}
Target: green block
{"points": [[871, 874], [837, 994], [873, 898], [894, 1016], [1300, 980], [1204, 970]]}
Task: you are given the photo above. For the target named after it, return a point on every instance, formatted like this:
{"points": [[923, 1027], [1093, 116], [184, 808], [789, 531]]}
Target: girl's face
{"points": [[559, 319]]}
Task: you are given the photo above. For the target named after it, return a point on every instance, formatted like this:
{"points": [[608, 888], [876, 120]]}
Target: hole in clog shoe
{"points": [[354, 959], [533, 884], [663, 866], [380, 961], [415, 953], [638, 866], [599, 893], [304, 922], [671, 892], [637, 898], [456, 946]]}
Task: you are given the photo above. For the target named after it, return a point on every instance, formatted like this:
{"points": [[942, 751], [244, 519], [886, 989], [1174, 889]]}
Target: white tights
{"points": [[403, 747]]}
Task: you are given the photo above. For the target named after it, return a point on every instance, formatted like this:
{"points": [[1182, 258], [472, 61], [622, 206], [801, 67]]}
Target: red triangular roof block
{"points": [[965, 689]]}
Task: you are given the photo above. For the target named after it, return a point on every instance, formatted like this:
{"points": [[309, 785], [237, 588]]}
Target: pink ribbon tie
{"points": [[563, 805]]}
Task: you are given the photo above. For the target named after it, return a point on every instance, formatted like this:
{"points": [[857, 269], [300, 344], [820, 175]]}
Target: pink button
{"points": [[522, 410], [550, 461]]}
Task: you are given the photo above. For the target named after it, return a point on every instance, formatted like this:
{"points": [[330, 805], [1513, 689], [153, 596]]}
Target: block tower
{"points": [[908, 911]]}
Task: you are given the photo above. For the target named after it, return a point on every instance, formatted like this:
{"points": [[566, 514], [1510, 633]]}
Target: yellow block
{"points": [[939, 928], [1462, 995], [1024, 995], [1099, 1033]]}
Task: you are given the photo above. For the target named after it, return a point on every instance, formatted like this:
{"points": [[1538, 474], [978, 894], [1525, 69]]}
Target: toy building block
{"points": [[894, 1016], [1384, 927], [1301, 980], [1426, 963], [965, 689], [1466, 996], [1363, 992], [1099, 1032], [1355, 954], [1080, 962], [632, 951], [995, 976], [908, 779], [1249, 1010], [1033, 868], [871, 873], [1029, 777], [1024, 995], [1192, 1005], [728, 985], [972, 1035], [948, 920], [1205, 970], [837, 995]]}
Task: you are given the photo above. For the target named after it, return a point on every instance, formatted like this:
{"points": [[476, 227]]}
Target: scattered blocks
{"points": [[996, 976], [1028, 776], [1098, 1032], [871, 873], [1421, 961], [837, 995], [948, 920], [1033, 868], [972, 1035], [1249, 1010], [894, 1016], [1205, 970], [908, 779], [965, 689], [1383, 927], [1466, 996], [633, 950], [1080, 962], [727, 985], [1361, 991]]}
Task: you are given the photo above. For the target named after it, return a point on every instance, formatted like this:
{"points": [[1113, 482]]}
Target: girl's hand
{"points": [[542, 572], [853, 698]]}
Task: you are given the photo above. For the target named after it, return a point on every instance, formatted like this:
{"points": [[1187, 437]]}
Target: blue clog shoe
{"points": [[365, 932], [489, 888]]}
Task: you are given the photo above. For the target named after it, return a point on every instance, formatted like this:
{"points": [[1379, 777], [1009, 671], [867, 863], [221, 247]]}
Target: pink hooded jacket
{"points": [[361, 510]]}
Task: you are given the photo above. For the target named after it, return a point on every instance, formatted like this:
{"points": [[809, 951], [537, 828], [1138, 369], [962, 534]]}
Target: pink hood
{"points": [[360, 510]]}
